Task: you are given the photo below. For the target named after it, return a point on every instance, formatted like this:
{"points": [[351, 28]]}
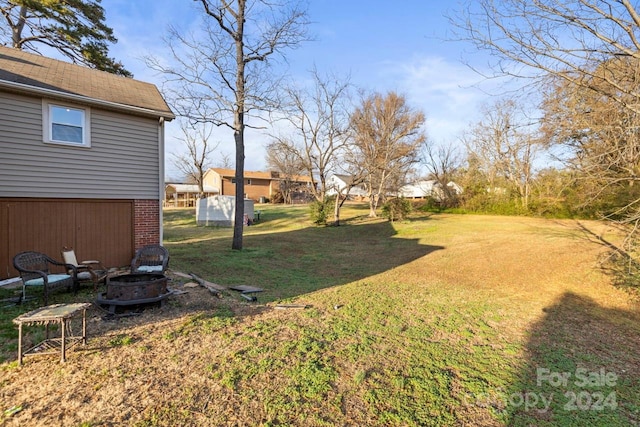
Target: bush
{"points": [[429, 204], [320, 211], [277, 197], [493, 204], [396, 209]]}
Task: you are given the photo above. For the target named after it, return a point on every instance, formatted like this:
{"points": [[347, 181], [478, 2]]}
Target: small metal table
{"points": [[57, 313]]}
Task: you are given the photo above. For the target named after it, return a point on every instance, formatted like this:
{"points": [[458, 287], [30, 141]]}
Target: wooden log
{"points": [[212, 287]]}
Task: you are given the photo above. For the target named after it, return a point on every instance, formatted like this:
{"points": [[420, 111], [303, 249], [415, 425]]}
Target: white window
{"points": [[64, 124]]}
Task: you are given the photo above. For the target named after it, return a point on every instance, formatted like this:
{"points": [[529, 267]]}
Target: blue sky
{"points": [[382, 45]]}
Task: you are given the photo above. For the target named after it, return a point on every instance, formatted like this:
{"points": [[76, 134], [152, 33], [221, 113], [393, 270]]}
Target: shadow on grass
{"points": [[583, 369], [616, 262], [287, 264]]}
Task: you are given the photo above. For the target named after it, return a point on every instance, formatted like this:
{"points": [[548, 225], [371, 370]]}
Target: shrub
{"points": [[396, 209], [277, 197], [320, 211], [429, 204]]}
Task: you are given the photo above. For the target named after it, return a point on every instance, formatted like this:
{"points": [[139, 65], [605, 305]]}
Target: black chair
{"points": [[34, 269], [150, 259]]}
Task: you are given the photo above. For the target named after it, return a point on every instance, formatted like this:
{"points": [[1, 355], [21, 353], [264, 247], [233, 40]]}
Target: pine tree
{"points": [[75, 28]]}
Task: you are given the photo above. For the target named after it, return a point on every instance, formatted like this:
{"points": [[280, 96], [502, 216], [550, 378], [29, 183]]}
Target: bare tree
{"points": [[199, 148], [352, 169], [443, 163], [319, 117], [504, 147], [604, 137], [583, 44], [288, 164], [222, 75], [569, 39], [224, 161], [388, 137]]}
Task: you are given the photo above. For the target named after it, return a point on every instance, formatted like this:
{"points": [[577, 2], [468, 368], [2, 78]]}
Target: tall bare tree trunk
{"points": [[238, 224], [16, 31], [207, 86], [336, 210], [373, 205], [238, 134]]}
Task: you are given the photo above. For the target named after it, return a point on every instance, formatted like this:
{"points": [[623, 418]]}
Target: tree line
{"points": [[374, 141], [579, 61]]}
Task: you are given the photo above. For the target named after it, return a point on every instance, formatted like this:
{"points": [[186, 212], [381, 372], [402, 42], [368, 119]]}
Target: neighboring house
{"points": [[338, 183], [81, 160], [258, 186], [456, 188], [426, 188], [185, 195], [419, 190]]}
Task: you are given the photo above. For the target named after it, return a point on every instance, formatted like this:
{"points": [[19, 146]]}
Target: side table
{"points": [[57, 313]]}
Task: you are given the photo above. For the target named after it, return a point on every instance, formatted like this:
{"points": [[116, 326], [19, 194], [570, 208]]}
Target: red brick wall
{"points": [[146, 220], [258, 188]]}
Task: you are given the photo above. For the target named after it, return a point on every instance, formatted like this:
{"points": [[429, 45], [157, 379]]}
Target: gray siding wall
{"points": [[122, 162]]}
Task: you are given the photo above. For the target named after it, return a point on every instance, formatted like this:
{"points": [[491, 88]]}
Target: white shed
{"points": [[220, 210]]}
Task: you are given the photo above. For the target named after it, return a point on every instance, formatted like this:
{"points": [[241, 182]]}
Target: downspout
{"points": [[161, 175]]}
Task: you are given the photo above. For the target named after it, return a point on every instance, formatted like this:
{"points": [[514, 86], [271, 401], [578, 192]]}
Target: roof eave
{"points": [[33, 90]]}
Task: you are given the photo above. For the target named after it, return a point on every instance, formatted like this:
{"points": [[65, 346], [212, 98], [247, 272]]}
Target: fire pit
{"points": [[134, 289]]}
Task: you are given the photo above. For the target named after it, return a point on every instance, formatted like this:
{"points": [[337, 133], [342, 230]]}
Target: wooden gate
{"points": [[96, 229]]}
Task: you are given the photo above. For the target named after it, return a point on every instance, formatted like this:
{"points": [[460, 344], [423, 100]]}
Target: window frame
{"points": [[47, 124]]}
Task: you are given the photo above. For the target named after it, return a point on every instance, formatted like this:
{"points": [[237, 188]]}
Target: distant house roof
{"points": [[231, 173], [338, 182], [427, 188], [418, 189], [347, 179], [27, 72]]}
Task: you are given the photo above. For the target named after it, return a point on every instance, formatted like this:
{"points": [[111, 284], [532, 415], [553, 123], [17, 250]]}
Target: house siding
{"points": [[122, 162], [263, 184], [258, 188], [103, 197], [108, 230], [96, 229], [212, 179]]}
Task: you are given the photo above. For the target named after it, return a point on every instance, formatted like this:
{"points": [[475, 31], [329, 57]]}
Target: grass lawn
{"points": [[437, 320]]}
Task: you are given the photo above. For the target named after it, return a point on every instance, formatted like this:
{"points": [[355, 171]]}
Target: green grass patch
{"points": [[405, 351], [434, 320]]}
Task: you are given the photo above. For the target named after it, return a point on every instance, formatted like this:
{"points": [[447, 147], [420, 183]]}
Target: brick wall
{"points": [[146, 223]]}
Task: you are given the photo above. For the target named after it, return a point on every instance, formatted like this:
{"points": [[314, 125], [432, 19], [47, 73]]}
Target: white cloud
{"points": [[449, 93]]}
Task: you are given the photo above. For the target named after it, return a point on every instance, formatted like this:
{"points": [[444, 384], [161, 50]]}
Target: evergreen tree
{"points": [[75, 28]]}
